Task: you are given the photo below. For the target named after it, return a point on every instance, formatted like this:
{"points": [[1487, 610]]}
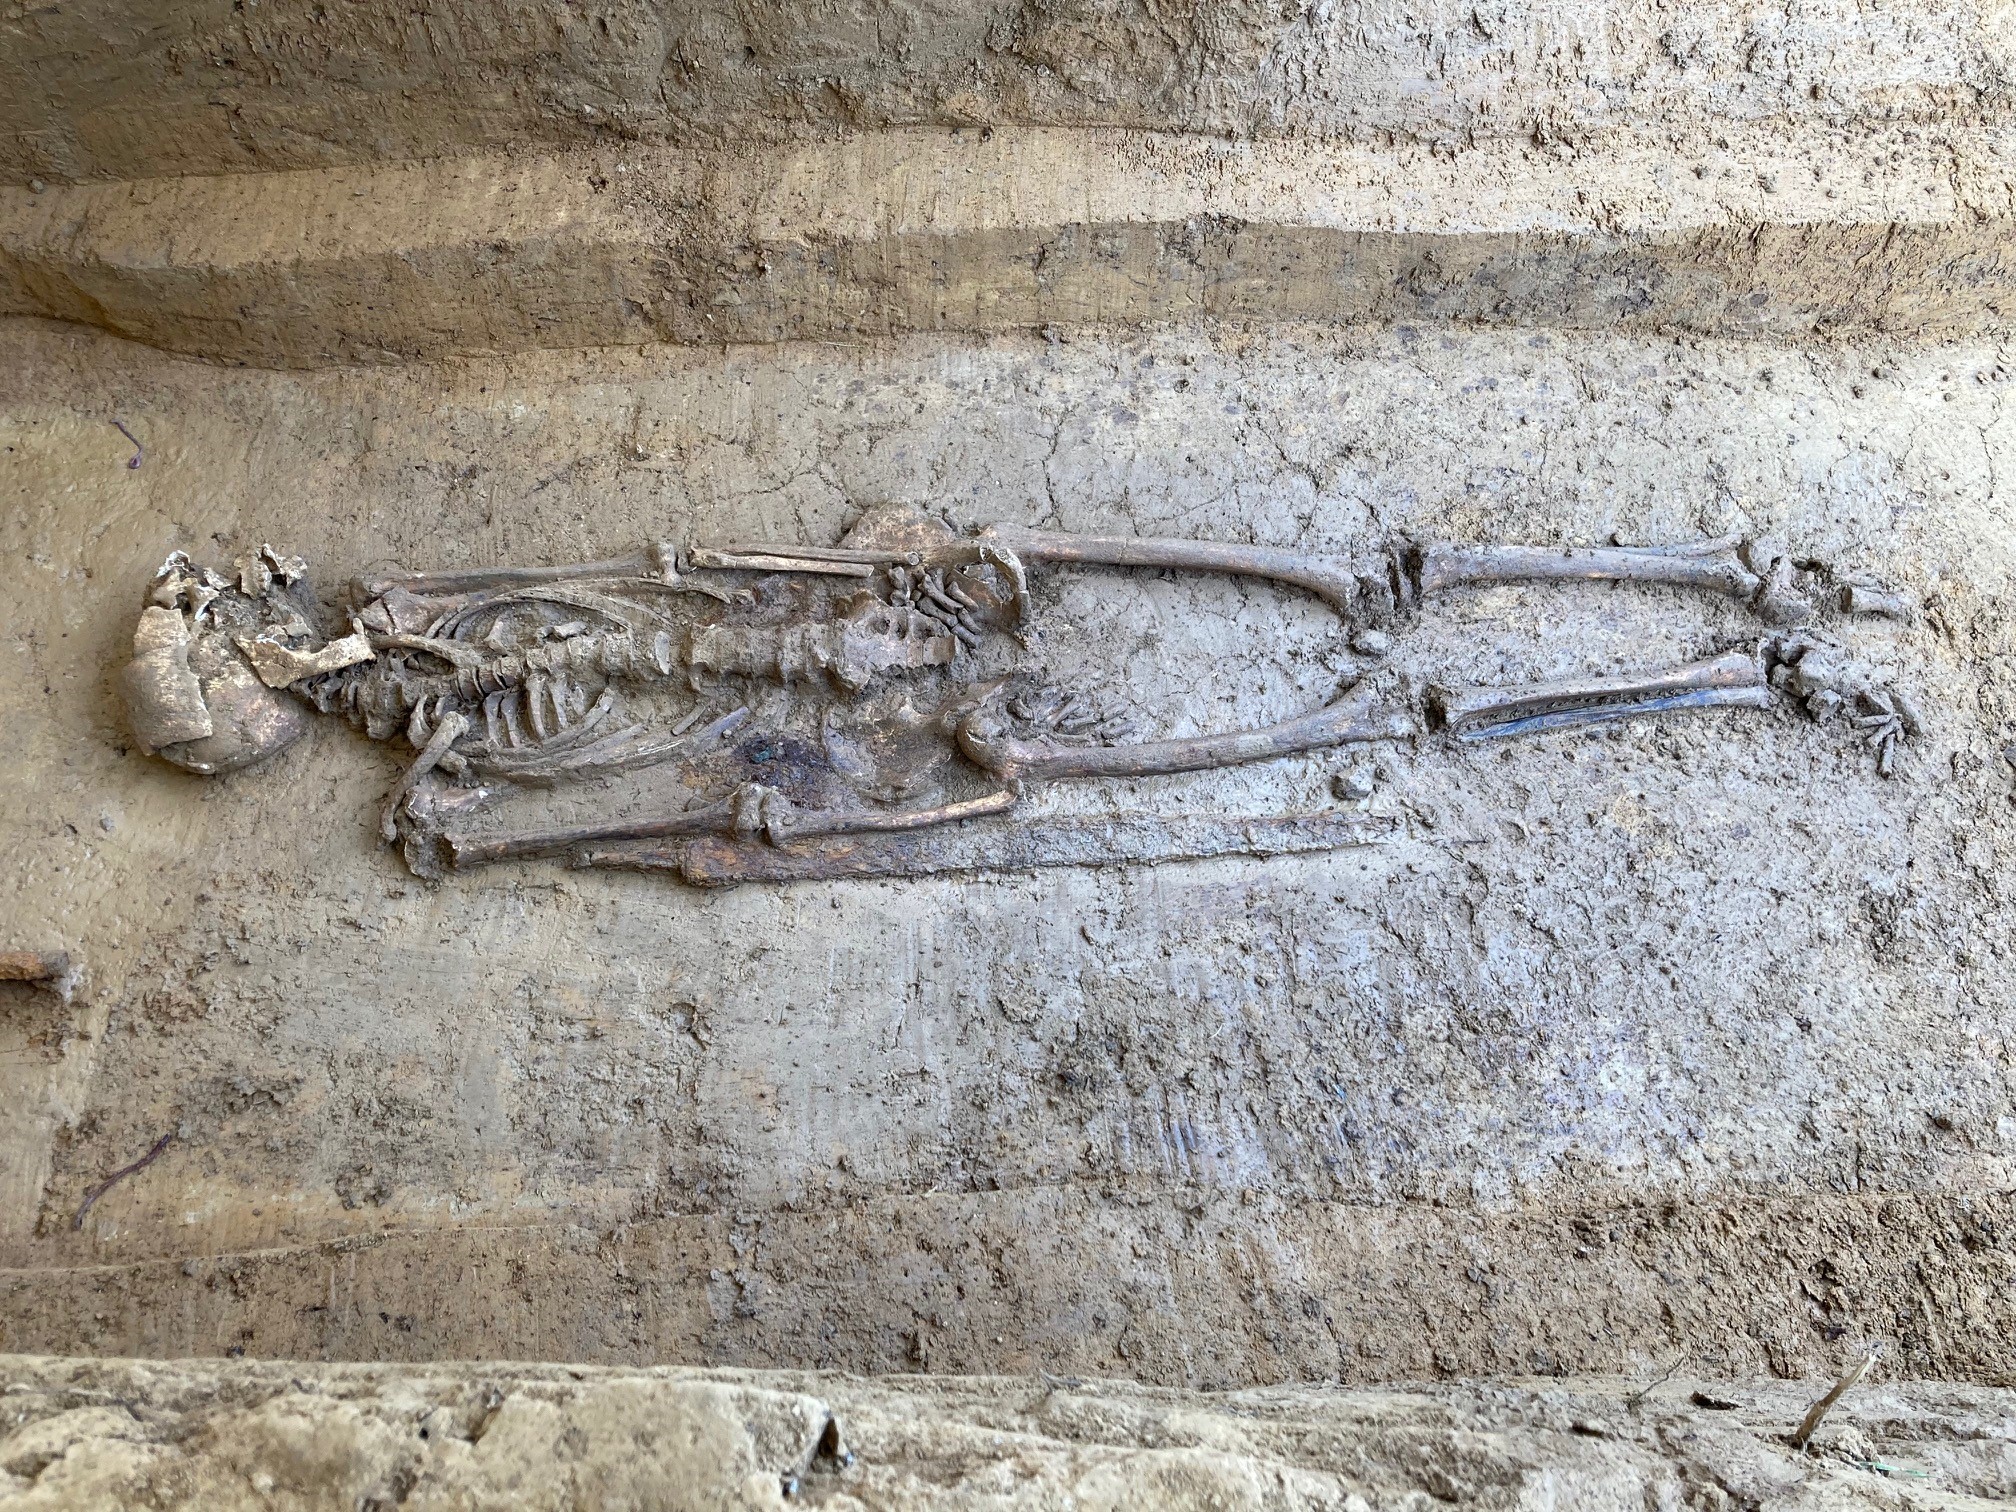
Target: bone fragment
{"points": [[1859, 599], [279, 665], [1717, 569], [164, 698], [1780, 601], [1907, 712], [289, 569], [1734, 679], [254, 576], [453, 725], [985, 846], [1354, 786]]}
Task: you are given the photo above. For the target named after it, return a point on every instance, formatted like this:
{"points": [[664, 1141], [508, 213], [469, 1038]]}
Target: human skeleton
{"points": [[908, 713]]}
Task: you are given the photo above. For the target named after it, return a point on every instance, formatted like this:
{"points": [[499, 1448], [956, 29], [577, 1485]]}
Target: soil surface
{"points": [[1688, 1035]]}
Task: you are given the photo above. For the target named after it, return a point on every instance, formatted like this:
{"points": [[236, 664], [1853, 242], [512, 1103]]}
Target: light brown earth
{"points": [[119, 89], [1693, 1039], [1750, 229]]}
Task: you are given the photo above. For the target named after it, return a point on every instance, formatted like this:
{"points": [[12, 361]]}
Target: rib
{"points": [[509, 762]]}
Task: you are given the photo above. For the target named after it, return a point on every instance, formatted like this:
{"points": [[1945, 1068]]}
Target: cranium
{"points": [[193, 693]]}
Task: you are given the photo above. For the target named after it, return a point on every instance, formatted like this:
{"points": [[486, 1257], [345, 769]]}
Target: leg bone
{"points": [[1735, 679], [1716, 567], [1329, 580], [466, 850], [1340, 723]]}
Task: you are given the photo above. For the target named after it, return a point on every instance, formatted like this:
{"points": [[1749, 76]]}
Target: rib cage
{"points": [[531, 698]]}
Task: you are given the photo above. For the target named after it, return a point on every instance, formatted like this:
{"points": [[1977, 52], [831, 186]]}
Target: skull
{"points": [[192, 692]]}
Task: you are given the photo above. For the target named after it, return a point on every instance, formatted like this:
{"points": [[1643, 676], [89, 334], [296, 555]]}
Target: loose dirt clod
{"points": [[51, 969]]}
